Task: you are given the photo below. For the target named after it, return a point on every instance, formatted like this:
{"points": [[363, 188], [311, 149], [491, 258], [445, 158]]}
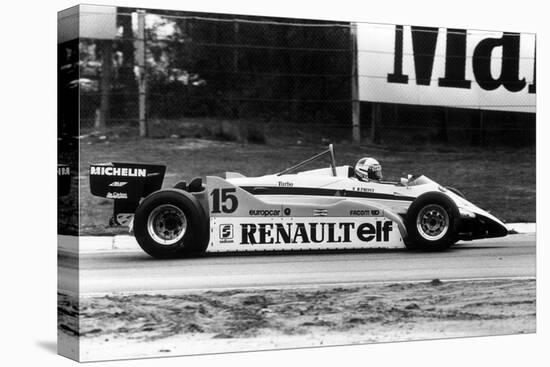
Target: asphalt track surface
{"points": [[136, 272]]}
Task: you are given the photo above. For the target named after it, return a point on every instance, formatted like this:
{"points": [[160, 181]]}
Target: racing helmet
{"points": [[368, 169]]}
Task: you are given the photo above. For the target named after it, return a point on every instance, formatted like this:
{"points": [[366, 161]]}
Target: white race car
{"points": [[327, 208]]}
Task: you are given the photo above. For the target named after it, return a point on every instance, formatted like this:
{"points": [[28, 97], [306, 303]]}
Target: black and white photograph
{"points": [[231, 182]]}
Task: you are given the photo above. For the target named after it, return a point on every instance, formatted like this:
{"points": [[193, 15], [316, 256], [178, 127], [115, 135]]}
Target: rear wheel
{"points": [[431, 222], [171, 223], [167, 224]]}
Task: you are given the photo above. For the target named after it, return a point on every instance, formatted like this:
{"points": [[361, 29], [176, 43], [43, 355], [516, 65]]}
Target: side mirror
{"points": [[405, 181]]}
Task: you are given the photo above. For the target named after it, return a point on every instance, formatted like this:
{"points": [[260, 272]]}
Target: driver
{"points": [[368, 169]]}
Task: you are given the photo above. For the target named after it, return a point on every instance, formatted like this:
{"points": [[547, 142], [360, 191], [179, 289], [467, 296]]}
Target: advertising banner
{"points": [[446, 67]]}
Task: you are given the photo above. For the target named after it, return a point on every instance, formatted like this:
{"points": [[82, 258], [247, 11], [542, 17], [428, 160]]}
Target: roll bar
{"points": [[329, 151]]}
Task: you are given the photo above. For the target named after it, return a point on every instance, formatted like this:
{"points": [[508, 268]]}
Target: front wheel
{"points": [[171, 223], [432, 222]]}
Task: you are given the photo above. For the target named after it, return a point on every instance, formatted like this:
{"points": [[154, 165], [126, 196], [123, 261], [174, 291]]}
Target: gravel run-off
{"points": [[144, 325]]}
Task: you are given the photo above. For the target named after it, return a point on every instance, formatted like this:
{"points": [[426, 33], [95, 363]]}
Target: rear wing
{"points": [[125, 183]]}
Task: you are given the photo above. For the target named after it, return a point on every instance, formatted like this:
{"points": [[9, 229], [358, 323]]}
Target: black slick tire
{"points": [[194, 238], [418, 222]]}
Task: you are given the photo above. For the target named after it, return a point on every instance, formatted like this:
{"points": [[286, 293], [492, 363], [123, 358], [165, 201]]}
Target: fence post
{"points": [[482, 137], [106, 74], [443, 133], [355, 104], [234, 103], [141, 74], [375, 118]]}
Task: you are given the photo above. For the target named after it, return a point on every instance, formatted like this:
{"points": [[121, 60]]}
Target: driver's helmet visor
{"points": [[375, 172]]}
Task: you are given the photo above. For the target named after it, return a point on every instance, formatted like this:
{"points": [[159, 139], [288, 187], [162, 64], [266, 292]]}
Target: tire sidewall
{"points": [[415, 240], [194, 236]]}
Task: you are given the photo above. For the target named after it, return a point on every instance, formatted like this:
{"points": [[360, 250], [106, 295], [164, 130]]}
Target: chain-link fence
{"points": [[254, 78]]}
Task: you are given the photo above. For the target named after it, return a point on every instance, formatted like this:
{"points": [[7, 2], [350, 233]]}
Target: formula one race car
{"points": [[327, 208]]}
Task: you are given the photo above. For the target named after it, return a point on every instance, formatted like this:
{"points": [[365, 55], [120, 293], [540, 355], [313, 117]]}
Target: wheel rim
{"points": [[432, 222], [167, 224]]}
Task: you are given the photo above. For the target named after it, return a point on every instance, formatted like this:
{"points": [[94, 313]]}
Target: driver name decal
{"points": [[362, 189]]}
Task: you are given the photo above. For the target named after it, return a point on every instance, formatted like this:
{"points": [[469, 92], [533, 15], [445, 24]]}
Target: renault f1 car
{"points": [[326, 208]]}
